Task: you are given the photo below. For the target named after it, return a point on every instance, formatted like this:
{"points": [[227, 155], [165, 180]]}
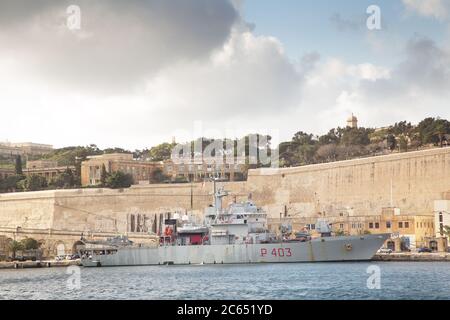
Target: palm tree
{"points": [[447, 231], [440, 132], [15, 246]]}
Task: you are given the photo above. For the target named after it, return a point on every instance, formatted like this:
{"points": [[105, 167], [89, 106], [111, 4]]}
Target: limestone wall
{"points": [[27, 210], [103, 210], [355, 187], [361, 186]]}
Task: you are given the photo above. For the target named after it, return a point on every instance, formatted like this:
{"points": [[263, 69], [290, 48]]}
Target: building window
{"points": [[400, 224], [370, 225], [406, 224], [341, 226], [377, 225]]}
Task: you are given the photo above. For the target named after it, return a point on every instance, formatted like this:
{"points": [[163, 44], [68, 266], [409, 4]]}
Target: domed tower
{"points": [[352, 122]]}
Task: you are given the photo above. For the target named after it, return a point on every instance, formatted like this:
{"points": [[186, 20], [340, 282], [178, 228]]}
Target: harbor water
{"points": [[335, 281]]}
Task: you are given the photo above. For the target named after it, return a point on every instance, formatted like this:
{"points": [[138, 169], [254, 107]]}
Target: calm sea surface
{"points": [[337, 281]]}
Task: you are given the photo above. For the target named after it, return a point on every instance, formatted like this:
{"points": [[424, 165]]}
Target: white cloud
{"points": [[163, 77], [368, 71], [430, 8], [248, 77], [120, 43], [416, 88]]}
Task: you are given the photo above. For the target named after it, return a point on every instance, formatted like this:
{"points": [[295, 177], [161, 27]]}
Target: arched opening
{"points": [[59, 249], [434, 245], [391, 245], [45, 247], [77, 246]]}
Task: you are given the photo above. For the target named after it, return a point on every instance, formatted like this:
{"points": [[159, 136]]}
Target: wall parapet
{"points": [[352, 162]]}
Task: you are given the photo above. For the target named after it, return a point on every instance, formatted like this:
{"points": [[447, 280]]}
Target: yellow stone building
{"points": [[200, 169], [48, 169], [24, 148], [140, 170], [4, 247], [418, 229]]}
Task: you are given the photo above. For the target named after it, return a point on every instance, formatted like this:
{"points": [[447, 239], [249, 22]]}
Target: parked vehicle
{"points": [[385, 250], [24, 258], [425, 250]]}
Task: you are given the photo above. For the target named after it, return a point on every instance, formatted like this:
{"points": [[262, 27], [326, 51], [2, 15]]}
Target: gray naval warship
{"points": [[236, 235]]}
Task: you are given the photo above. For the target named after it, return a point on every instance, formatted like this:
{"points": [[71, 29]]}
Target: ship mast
{"points": [[219, 193]]}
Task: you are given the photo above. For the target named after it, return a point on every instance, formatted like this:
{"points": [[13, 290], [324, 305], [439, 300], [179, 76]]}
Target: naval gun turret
{"points": [[324, 228]]}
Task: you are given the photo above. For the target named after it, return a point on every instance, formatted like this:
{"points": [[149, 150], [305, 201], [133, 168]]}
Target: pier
{"points": [[413, 257], [38, 264]]}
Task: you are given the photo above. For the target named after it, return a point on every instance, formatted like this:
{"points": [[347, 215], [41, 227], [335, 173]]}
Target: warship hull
{"points": [[332, 249]]}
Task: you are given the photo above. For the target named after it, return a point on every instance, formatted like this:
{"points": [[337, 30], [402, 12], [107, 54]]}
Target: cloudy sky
{"points": [[138, 72]]}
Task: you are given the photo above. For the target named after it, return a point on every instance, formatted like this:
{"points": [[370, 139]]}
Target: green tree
{"points": [[356, 136], [30, 244], [65, 179], [15, 246], [302, 138], [103, 175], [391, 142], [18, 165], [158, 176], [161, 152], [332, 137], [115, 150], [285, 154], [35, 183], [302, 149], [403, 143], [401, 128], [432, 131], [70, 156], [12, 183], [425, 129], [441, 128], [327, 153], [118, 179]]}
